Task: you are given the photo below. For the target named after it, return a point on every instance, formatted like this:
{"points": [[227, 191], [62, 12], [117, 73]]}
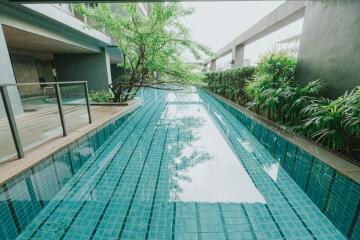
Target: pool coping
{"points": [[340, 164], [13, 168]]}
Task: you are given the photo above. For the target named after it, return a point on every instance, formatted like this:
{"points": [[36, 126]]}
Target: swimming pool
{"points": [[181, 167]]}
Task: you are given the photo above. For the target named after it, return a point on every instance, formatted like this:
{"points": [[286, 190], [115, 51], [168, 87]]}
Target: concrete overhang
{"points": [[286, 13], [115, 54], [23, 41], [52, 23], [28, 43], [77, 1], [58, 15]]}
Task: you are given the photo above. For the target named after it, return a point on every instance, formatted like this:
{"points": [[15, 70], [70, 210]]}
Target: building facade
{"points": [[48, 43]]}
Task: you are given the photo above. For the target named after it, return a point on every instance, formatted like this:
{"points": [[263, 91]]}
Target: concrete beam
{"points": [[286, 13]]}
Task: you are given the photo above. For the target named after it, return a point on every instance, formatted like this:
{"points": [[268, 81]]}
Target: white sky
{"points": [[217, 23]]}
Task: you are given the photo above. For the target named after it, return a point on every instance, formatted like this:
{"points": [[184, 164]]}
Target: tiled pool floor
{"points": [[182, 167]]}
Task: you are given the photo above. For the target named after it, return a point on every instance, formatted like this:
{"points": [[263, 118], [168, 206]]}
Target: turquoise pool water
{"points": [[181, 167]]}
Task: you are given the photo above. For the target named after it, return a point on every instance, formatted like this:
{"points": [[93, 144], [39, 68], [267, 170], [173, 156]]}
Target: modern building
{"points": [[326, 48], [48, 43], [289, 45], [185, 164]]}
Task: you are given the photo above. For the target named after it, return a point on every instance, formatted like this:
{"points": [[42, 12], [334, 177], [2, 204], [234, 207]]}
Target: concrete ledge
{"points": [[101, 116], [340, 163], [110, 104]]}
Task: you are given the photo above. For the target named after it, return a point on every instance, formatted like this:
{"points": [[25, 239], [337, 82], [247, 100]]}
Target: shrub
{"points": [[101, 96], [334, 123], [273, 91], [230, 83]]}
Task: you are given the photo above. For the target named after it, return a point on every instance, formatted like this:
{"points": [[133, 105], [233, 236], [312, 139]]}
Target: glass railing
{"points": [[7, 146], [34, 113], [74, 105]]}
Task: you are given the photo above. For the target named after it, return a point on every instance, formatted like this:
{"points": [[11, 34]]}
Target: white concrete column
{"points": [[213, 65], [204, 67], [238, 56], [7, 76]]}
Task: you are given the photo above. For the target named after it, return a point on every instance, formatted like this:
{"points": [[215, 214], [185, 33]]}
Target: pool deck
{"points": [[100, 116]]}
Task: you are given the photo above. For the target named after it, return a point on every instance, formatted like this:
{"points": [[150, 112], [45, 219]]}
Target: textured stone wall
{"points": [[25, 72]]}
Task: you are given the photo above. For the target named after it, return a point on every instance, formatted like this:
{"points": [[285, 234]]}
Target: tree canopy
{"points": [[152, 45]]}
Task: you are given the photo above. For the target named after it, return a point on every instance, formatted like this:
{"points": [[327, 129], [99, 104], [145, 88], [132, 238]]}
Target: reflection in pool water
{"points": [[206, 169]]}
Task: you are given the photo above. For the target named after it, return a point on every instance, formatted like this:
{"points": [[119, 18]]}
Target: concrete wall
{"points": [[7, 76], [24, 68], [44, 69], [116, 71], [27, 69], [330, 45], [25, 72], [91, 67]]}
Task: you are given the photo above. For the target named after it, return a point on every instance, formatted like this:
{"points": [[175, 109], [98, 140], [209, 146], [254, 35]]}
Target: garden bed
{"points": [[271, 91]]}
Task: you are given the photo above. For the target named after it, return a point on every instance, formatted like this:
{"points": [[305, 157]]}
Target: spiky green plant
{"points": [[334, 123], [323, 122], [274, 74]]}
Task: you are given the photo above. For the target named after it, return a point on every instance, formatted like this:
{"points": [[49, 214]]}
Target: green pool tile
{"points": [[93, 141], [85, 149], [23, 198], [63, 166], [319, 183], [280, 150], [7, 226], [343, 202], [75, 156], [48, 182], [303, 163], [356, 232], [290, 158]]}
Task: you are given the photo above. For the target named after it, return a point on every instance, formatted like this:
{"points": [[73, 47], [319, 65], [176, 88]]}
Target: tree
{"points": [[152, 45]]}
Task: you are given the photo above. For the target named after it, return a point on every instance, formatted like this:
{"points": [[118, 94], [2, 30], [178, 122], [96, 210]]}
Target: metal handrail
{"points": [[10, 113], [40, 83]]}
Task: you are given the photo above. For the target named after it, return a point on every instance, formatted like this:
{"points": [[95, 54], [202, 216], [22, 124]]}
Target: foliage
{"points": [[272, 78], [230, 83], [334, 123], [101, 96], [271, 91], [152, 45], [351, 109]]}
